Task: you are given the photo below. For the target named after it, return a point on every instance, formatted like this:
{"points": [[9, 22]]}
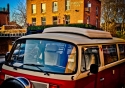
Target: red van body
{"points": [[65, 57]]}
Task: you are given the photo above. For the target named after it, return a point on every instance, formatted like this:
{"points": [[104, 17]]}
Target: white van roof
{"points": [[82, 31], [76, 35]]}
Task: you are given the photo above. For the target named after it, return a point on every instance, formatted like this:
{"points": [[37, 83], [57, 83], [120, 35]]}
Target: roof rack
{"points": [[80, 31]]}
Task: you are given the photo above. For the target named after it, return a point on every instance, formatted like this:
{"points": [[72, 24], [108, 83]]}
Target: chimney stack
{"points": [[8, 8]]}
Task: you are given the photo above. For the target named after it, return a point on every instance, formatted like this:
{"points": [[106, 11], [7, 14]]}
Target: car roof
{"points": [[76, 35]]}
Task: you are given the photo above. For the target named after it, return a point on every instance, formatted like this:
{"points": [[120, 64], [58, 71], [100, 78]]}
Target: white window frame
{"points": [[43, 7], [55, 6], [97, 10], [43, 22], [33, 8], [55, 21], [67, 4], [88, 19], [89, 4], [96, 22], [33, 22], [67, 19]]}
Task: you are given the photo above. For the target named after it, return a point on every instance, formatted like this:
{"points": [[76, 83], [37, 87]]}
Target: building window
{"points": [[54, 20], [43, 7], [43, 20], [33, 21], [88, 6], [55, 6], [97, 10], [88, 20], [67, 4], [33, 8], [67, 19], [96, 22]]}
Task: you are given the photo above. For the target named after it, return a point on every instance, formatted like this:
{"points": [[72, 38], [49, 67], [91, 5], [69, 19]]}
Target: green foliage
{"points": [[123, 37], [80, 25], [119, 34]]}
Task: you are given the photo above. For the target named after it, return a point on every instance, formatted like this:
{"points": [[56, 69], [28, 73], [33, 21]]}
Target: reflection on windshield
{"points": [[53, 56]]}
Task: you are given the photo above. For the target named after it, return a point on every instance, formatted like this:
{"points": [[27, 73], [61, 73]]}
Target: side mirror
{"points": [[7, 55], [94, 68]]}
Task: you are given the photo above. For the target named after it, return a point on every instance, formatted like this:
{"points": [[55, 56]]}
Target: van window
{"points": [[90, 55], [49, 55], [110, 53], [19, 52], [122, 50]]}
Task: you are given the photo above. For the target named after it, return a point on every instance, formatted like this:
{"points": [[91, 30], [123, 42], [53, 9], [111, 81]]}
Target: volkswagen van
{"points": [[65, 57]]}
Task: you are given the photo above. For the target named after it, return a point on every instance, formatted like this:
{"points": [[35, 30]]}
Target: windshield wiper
{"points": [[34, 65], [38, 66]]}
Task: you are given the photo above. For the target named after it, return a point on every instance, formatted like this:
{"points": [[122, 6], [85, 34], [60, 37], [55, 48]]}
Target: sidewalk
{"points": [[2, 58]]}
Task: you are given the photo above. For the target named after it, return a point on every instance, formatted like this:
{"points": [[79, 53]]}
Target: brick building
{"points": [[4, 16], [92, 12], [48, 12]]}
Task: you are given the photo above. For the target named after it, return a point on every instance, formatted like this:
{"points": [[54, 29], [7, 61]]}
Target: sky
{"points": [[12, 3]]}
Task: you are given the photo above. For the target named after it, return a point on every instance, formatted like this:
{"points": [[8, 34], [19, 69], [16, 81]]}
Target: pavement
{"points": [[2, 58]]}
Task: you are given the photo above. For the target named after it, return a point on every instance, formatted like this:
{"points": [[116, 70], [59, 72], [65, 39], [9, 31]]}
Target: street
{"points": [[2, 58]]}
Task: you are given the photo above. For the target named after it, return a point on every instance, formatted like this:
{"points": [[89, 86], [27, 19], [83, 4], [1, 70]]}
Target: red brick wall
{"points": [[4, 18], [4, 45], [92, 12], [75, 17]]}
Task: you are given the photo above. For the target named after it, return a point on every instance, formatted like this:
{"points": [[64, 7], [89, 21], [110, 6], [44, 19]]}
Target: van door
{"points": [[90, 55], [111, 72], [122, 66]]}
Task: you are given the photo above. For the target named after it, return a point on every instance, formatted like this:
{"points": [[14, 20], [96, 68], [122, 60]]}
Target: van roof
{"points": [[81, 31], [75, 37]]}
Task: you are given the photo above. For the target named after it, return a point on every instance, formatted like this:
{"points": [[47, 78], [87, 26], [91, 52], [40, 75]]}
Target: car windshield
{"points": [[50, 55]]}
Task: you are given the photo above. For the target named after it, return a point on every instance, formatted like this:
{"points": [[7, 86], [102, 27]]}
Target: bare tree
{"points": [[113, 12], [122, 14], [19, 13]]}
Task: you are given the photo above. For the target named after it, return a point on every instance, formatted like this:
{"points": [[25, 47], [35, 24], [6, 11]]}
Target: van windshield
{"points": [[50, 55]]}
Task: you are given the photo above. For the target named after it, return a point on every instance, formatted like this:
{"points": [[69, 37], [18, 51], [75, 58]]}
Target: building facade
{"points": [[4, 16], [54, 12]]}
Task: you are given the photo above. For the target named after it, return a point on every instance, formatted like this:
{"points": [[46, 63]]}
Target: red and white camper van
{"points": [[65, 57]]}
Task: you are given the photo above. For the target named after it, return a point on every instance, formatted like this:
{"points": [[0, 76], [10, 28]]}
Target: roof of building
{"points": [[76, 35]]}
